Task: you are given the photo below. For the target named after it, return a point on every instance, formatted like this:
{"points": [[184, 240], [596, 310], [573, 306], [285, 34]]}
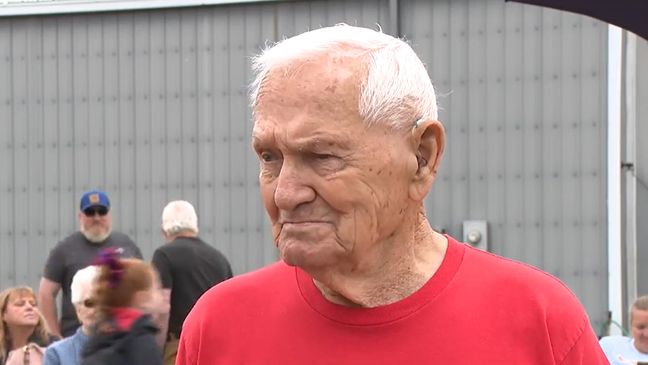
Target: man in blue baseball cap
{"points": [[76, 252]]}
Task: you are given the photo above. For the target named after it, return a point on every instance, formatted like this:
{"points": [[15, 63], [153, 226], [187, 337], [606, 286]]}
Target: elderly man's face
{"points": [[640, 329], [95, 224], [334, 188]]}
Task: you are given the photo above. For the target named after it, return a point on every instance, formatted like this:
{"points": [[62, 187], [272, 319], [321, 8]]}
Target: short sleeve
{"points": [[163, 267], [55, 265], [586, 351]]}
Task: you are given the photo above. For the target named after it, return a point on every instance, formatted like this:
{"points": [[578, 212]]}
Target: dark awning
{"points": [[631, 15]]}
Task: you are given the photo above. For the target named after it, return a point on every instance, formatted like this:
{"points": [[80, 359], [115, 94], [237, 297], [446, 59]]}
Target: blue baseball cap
{"points": [[94, 198]]}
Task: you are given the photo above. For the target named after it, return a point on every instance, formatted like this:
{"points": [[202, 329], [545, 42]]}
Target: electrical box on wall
{"points": [[475, 233]]}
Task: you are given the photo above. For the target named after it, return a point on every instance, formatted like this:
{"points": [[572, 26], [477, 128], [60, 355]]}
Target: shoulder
{"points": [[120, 237], [243, 293], [609, 342], [531, 297], [74, 239], [255, 284], [52, 354], [144, 325], [60, 345], [517, 277]]}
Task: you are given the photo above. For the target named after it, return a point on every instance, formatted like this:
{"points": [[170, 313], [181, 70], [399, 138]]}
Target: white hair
{"points": [[396, 87], [82, 286], [179, 216]]}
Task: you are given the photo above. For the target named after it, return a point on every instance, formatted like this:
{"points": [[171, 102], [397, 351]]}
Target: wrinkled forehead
{"points": [[325, 81]]}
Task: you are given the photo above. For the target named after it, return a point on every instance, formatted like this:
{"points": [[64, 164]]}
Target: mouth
{"points": [[302, 225]]}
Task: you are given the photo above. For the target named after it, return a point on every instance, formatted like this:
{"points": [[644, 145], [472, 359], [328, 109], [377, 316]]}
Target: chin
{"points": [[308, 259], [96, 237]]}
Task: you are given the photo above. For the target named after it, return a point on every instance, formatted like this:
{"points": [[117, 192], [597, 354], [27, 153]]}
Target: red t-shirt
{"points": [[478, 308]]}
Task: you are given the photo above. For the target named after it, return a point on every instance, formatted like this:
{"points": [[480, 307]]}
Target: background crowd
{"points": [[116, 308]]}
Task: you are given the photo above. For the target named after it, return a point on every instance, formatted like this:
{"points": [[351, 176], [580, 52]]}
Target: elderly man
{"points": [[68, 351], [76, 252], [188, 267], [622, 350], [346, 132]]}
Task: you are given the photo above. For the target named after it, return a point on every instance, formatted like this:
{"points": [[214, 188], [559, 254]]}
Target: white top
{"points": [[620, 350]]}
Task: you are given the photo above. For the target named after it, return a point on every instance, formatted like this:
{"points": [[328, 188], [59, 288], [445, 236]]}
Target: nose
{"points": [[292, 188]]}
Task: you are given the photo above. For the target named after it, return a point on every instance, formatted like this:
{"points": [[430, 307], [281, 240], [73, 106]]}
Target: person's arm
{"points": [[162, 318], [47, 292]]}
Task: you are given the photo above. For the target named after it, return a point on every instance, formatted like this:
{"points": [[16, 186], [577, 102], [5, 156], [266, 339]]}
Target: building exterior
{"points": [[148, 100]]}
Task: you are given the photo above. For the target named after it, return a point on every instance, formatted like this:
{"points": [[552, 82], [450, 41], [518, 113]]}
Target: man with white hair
{"points": [[75, 252], [68, 351], [188, 267], [348, 142]]}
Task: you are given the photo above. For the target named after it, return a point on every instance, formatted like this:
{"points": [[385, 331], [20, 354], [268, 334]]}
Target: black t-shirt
{"points": [[73, 254], [189, 267]]}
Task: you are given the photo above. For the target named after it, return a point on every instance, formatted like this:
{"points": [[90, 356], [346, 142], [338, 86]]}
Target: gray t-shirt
{"points": [[73, 254]]}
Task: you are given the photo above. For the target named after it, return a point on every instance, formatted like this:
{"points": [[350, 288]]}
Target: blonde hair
{"points": [[40, 330], [641, 304]]}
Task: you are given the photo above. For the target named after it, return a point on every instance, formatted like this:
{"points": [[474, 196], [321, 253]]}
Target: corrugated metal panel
{"points": [[297, 17], [126, 102], [152, 106], [641, 165], [521, 95]]}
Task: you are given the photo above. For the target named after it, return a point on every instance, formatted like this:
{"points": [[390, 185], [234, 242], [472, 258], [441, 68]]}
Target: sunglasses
{"points": [[88, 303], [91, 212]]}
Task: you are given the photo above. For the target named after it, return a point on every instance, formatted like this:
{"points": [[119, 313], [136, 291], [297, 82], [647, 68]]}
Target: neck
{"points": [[85, 329], [20, 336], [187, 234], [397, 274]]}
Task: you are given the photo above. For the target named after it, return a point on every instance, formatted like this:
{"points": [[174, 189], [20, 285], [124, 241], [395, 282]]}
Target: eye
{"points": [[323, 156], [267, 156]]}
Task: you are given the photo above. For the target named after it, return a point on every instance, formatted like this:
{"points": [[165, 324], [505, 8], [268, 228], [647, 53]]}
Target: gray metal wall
{"points": [[151, 106], [524, 101], [641, 165]]}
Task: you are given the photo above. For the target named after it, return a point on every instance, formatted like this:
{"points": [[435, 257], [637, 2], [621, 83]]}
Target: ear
{"points": [[428, 137]]}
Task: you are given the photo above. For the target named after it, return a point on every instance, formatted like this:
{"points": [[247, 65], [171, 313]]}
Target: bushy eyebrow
{"points": [[310, 144], [321, 143]]}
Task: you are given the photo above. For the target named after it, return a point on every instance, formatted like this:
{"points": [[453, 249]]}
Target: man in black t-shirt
{"points": [[188, 267], [74, 253]]}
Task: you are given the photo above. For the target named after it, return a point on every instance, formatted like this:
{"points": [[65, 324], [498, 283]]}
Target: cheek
{"points": [[10, 315], [267, 194]]}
